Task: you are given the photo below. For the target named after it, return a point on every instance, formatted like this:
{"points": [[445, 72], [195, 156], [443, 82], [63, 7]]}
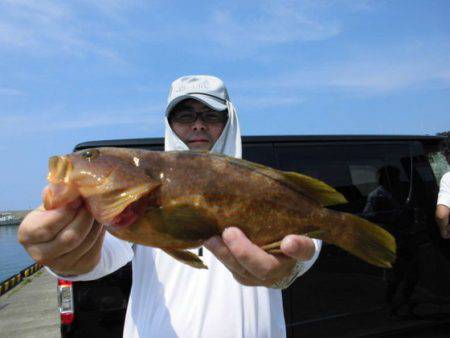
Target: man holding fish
{"points": [[238, 296]]}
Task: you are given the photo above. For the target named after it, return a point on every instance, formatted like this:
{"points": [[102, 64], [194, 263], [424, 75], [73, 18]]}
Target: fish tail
{"points": [[361, 238]]}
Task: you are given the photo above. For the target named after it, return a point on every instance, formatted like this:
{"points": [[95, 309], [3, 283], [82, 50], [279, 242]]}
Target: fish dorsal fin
{"points": [[315, 189], [311, 187]]}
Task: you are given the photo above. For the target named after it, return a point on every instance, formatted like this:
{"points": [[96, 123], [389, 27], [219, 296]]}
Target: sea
{"points": [[13, 257]]}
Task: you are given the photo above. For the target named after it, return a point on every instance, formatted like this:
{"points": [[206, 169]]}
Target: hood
{"points": [[229, 143]]}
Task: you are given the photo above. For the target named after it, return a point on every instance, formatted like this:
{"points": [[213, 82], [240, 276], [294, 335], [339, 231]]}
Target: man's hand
{"points": [[252, 266], [442, 219], [67, 239]]}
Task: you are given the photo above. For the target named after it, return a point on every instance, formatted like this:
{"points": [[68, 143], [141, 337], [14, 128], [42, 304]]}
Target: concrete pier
{"points": [[31, 308]]}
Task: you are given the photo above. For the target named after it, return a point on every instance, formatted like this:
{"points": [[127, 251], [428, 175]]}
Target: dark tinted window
{"points": [[359, 171], [259, 153]]}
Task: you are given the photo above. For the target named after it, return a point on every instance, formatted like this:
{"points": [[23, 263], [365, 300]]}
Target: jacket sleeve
{"points": [[114, 255], [444, 191], [300, 268]]}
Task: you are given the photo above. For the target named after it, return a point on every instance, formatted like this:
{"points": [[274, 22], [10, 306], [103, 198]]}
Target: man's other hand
{"points": [[252, 266]]}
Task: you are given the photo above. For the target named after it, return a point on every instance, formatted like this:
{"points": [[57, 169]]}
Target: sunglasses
{"points": [[185, 116]]}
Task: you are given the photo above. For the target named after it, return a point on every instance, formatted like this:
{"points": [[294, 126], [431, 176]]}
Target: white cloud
{"points": [[367, 73], [5, 91], [268, 100], [231, 32], [238, 30], [345, 5], [277, 22], [444, 74], [47, 27], [31, 123], [273, 25], [84, 28], [114, 9]]}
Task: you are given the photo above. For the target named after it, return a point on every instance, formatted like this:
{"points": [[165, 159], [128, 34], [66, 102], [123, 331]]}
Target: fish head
{"points": [[112, 183]]}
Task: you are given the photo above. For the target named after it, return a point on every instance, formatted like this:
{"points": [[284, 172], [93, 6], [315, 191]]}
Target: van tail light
{"points": [[65, 301]]}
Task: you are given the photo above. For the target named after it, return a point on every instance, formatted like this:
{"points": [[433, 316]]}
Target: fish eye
{"points": [[90, 154]]}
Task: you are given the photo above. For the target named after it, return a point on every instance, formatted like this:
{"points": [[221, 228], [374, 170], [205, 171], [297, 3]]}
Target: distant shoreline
{"points": [[12, 218]]}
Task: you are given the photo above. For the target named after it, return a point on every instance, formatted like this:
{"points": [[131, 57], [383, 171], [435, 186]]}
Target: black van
{"points": [[386, 179]]}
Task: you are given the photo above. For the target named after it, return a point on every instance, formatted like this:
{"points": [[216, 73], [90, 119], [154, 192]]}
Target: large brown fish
{"points": [[177, 200]]}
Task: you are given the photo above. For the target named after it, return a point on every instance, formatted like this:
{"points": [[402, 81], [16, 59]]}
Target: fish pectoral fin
{"points": [[187, 219], [186, 257], [315, 189]]}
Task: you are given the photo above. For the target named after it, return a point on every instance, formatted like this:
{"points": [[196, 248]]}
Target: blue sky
{"points": [[73, 71]]}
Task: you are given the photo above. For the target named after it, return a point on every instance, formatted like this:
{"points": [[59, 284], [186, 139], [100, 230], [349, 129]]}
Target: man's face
{"points": [[198, 135]]}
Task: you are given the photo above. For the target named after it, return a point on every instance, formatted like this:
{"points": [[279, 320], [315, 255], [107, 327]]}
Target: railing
{"points": [[13, 281], [10, 222]]}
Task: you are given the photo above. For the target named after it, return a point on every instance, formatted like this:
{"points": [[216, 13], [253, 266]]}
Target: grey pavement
{"points": [[31, 308]]}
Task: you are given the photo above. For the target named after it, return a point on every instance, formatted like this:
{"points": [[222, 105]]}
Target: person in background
{"points": [[443, 203]]}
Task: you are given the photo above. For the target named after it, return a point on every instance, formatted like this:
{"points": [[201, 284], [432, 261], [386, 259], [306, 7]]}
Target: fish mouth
{"points": [[59, 191], [60, 168]]}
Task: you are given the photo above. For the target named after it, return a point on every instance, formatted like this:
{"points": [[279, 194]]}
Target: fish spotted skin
{"points": [[180, 199]]}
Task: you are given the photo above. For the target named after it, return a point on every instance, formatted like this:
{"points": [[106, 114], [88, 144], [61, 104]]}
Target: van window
{"points": [[370, 176], [261, 153]]}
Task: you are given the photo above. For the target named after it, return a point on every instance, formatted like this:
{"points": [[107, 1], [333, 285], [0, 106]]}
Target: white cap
{"points": [[207, 89]]}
